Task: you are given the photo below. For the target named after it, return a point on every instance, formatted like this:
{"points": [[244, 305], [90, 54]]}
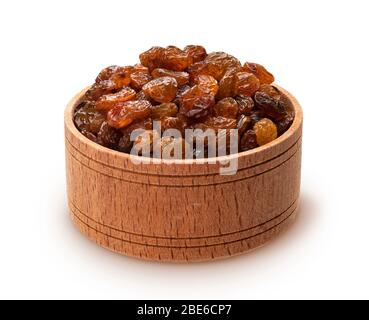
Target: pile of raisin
{"points": [[183, 89]]}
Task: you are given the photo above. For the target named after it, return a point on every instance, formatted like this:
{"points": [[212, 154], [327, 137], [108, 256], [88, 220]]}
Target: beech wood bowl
{"points": [[185, 211]]}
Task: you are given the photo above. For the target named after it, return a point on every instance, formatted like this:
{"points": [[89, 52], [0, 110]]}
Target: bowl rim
{"points": [[296, 124]]}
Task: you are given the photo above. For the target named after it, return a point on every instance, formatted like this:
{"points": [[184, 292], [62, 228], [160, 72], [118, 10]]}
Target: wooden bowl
{"points": [[183, 211]]}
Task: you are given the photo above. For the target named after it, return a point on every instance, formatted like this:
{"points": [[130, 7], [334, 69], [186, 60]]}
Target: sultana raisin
{"points": [[227, 107], [285, 122], [168, 109], [168, 146], [245, 84], [108, 136], [248, 141], [195, 106], [99, 89], [181, 77], [124, 144], [206, 84], [87, 118], [108, 101], [245, 104], [179, 123], [139, 79], [145, 142], [259, 71], [125, 113], [226, 84], [265, 130], [271, 91], [243, 123], [161, 89], [271, 107], [217, 123], [196, 53]]}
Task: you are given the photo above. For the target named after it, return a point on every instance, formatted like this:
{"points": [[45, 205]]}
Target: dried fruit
{"points": [[143, 144], [248, 141], [271, 107], [265, 130], [183, 89], [164, 110], [125, 113], [139, 79], [87, 118], [99, 89], [227, 107], [245, 105], [206, 84], [195, 106], [196, 53], [181, 77], [161, 89], [108, 136], [171, 148], [259, 71], [245, 84], [108, 101]]}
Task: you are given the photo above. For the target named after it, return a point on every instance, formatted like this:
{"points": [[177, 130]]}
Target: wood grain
{"points": [[184, 211]]}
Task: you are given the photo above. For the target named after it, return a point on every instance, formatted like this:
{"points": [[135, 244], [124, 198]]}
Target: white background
{"points": [[318, 50]]}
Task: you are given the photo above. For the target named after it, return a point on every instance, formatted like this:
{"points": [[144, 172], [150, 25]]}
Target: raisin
{"points": [[168, 146], [124, 144], [271, 91], [145, 124], [196, 106], [161, 89], [106, 73], [180, 91], [87, 118], [284, 123], [139, 79], [217, 123], [145, 141], [181, 77], [245, 84], [142, 96], [259, 71], [271, 107], [245, 104], [206, 84], [248, 141], [108, 101], [164, 110], [243, 123], [257, 115], [99, 89], [227, 108], [108, 136], [125, 113], [196, 53], [265, 130], [152, 57], [89, 135], [226, 84], [179, 123], [223, 61], [121, 77]]}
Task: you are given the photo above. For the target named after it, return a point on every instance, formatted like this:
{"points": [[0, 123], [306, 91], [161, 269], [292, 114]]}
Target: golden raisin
{"points": [[168, 109], [259, 71], [245, 84], [161, 89], [108, 101], [125, 113], [265, 130], [139, 79], [227, 108], [181, 76]]}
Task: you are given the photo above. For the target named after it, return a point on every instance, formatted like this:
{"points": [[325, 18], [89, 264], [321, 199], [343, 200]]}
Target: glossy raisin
{"points": [[243, 123], [217, 123], [168, 109], [271, 91], [125, 113], [271, 107], [259, 71], [227, 107], [161, 89], [87, 118], [245, 84], [99, 89], [108, 101], [108, 136], [206, 84], [196, 53], [248, 141], [179, 123], [181, 77], [245, 105], [196, 106], [285, 122], [139, 79], [265, 130]]}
